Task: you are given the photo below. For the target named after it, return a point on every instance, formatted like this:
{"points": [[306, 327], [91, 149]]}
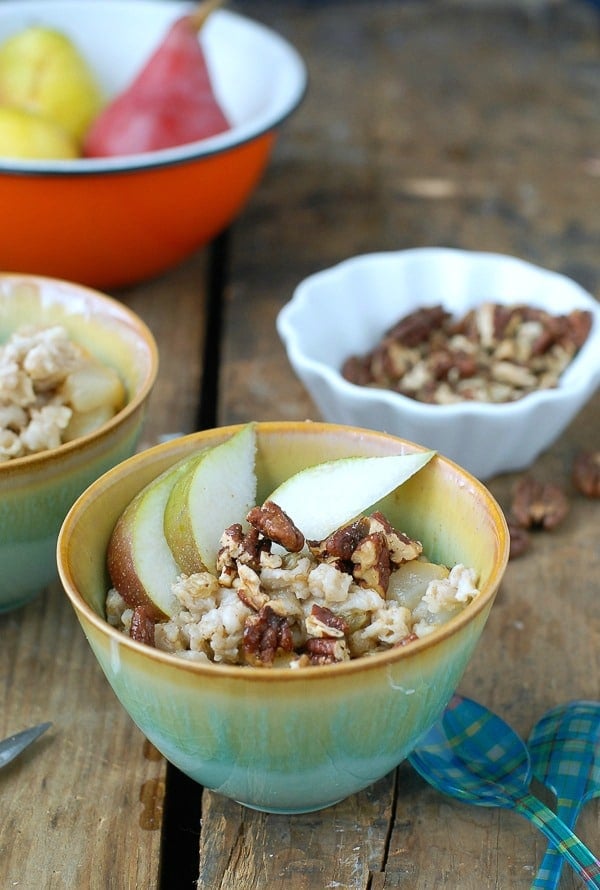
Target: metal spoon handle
{"points": [[549, 872], [560, 835]]}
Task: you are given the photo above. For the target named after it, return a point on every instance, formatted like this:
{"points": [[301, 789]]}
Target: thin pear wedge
{"points": [[140, 562], [321, 498], [218, 490]]}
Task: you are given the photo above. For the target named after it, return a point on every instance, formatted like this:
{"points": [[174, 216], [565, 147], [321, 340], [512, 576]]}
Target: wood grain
{"points": [[464, 124], [82, 808]]}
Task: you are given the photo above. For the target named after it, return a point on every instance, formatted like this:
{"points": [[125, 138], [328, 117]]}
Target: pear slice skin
{"points": [[218, 489], [140, 562], [326, 496]]}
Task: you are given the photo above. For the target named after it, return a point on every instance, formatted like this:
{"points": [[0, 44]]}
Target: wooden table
{"points": [[468, 124]]}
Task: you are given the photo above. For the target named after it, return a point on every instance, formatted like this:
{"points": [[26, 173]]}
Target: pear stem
{"points": [[202, 12]]}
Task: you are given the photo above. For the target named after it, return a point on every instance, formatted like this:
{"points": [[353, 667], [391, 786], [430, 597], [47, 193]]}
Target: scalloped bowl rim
{"points": [[277, 674], [582, 374], [31, 461], [293, 76]]}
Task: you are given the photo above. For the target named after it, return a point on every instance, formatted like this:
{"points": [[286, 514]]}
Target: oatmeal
{"points": [[51, 391], [494, 353], [276, 599]]}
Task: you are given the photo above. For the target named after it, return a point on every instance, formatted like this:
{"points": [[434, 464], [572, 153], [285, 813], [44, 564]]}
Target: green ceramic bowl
{"points": [[277, 739], [37, 491]]}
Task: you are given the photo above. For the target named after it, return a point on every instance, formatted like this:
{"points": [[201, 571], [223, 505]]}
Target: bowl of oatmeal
{"points": [[76, 370], [292, 671], [483, 357]]}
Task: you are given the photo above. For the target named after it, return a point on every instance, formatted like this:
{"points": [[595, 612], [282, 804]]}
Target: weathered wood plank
{"points": [[461, 125], [83, 807], [338, 847]]}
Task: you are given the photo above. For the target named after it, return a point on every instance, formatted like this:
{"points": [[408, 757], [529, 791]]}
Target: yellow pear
{"points": [[42, 71], [27, 135]]}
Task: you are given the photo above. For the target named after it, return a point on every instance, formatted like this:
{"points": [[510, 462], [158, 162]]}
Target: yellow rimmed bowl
{"points": [[37, 491], [284, 740]]}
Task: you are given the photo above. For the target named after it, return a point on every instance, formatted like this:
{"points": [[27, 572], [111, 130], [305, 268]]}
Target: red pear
{"points": [[170, 102]]}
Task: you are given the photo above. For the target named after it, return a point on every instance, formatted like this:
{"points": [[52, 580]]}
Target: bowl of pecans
{"points": [[484, 357], [76, 371]]}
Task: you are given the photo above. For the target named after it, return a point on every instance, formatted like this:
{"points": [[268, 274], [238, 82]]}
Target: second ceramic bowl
{"points": [[37, 490]]}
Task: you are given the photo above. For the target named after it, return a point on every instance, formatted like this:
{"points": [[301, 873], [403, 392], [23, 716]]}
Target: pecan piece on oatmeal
{"points": [[538, 504], [265, 635], [272, 522], [339, 546], [372, 567], [323, 623], [249, 589], [586, 473], [142, 626], [401, 548], [323, 650], [237, 546]]}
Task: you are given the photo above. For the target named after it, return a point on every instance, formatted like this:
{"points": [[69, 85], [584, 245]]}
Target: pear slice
{"points": [[218, 489], [322, 498], [140, 563]]}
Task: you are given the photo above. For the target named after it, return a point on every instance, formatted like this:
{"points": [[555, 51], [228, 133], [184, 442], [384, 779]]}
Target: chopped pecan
{"points": [[494, 353], [266, 634], [142, 626], [357, 369], [586, 473], [538, 504], [272, 522], [401, 548], [323, 623], [321, 650], [341, 544], [239, 546], [249, 590], [416, 327], [579, 324], [372, 567]]}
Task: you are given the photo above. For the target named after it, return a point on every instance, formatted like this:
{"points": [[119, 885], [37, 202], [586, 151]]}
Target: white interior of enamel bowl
{"points": [[257, 76]]}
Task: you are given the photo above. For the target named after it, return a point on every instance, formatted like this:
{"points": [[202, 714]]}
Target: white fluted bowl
{"points": [[344, 310]]}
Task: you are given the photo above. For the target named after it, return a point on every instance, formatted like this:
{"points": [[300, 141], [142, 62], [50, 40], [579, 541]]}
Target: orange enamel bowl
{"points": [[113, 222]]}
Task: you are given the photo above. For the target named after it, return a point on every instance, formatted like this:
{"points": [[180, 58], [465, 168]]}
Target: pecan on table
{"points": [[538, 504], [586, 473], [520, 539]]}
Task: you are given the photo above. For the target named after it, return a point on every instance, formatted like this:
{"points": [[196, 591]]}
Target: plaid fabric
{"points": [[564, 747], [473, 755]]}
